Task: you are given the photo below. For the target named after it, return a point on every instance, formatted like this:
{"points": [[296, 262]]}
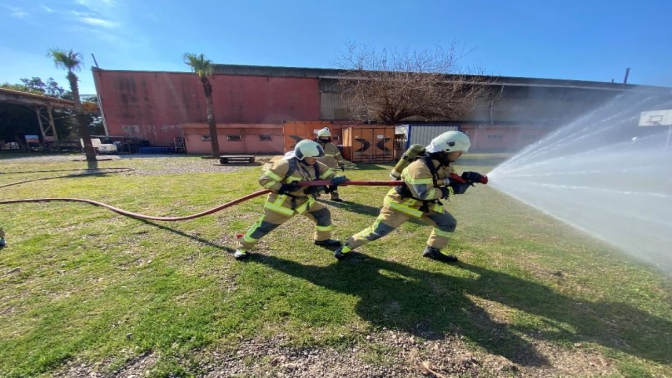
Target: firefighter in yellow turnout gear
{"points": [[288, 198], [332, 158], [424, 182]]}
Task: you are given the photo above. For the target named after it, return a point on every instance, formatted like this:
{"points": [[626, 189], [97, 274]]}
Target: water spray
{"points": [[604, 175]]}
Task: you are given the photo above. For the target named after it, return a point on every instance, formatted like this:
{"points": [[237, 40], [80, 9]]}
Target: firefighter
{"points": [[288, 198], [424, 182], [332, 158]]}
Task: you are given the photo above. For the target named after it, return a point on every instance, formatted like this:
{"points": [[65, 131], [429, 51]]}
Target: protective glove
{"points": [[342, 166], [314, 191], [445, 192], [288, 188], [456, 182], [338, 180], [474, 177], [459, 187]]}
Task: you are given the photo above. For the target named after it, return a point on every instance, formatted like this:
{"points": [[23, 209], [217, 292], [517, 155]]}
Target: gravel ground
{"points": [[150, 164]]}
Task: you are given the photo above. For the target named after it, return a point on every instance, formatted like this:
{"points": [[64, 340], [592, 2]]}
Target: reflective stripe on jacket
{"points": [[419, 180], [298, 201], [332, 155]]}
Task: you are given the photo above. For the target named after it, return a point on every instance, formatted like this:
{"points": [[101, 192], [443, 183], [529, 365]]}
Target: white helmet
{"points": [[450, 141], [308, 148], [324, 133]]}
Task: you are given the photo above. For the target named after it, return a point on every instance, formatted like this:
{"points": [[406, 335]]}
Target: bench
{"points": [[236, 159]]}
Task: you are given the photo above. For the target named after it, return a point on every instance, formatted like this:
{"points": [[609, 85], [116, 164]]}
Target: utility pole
{"points": [[627, 72]]}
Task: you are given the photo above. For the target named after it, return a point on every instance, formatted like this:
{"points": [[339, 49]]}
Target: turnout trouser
{"points": [[268, 222], [389, 219]]}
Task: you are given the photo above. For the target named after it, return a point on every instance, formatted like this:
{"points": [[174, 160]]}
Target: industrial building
{"points": [[265, 110]]}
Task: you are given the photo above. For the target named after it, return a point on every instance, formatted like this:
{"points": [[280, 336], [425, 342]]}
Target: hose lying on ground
{"points": [[203, 213]]}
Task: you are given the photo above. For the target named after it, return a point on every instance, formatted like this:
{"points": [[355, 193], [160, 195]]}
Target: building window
{"points": [[234, 138], [495, 136], [205, 138], [264, 137]]}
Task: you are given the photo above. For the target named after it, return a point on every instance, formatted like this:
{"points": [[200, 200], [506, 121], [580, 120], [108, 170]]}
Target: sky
{"points": [[594, 40]]}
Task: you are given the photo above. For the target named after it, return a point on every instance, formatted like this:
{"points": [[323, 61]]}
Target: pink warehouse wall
{"points": [[155, 105], [254, 139]]}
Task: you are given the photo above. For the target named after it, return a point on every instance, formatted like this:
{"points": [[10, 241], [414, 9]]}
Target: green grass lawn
{"points": [[82, 283]]}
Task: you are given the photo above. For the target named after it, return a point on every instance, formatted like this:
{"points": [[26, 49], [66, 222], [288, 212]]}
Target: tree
{"points": [[388, 87], [95, 119], [72, 61], [203, 68], [35, 85]]}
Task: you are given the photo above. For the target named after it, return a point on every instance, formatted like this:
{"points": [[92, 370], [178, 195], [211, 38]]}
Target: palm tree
{"points": [[72, 61], [203, 68]]}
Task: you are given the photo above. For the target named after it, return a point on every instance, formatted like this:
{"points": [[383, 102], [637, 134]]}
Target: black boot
{"points": [[435, 254], [343, 252], [328, 243]]}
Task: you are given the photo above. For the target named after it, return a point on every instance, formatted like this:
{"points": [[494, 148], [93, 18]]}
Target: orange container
{"points": [[368, 144], [296, 131]]}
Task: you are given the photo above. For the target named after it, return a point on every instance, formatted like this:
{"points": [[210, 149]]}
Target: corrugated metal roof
{"points": [[499, 81], [335, 74]]}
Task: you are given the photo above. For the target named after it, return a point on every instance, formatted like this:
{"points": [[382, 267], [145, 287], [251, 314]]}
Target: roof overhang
{"points": [[30, 99]]}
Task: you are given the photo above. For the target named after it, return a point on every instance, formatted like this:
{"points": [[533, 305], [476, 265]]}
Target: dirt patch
{"points": [[382, 354]]}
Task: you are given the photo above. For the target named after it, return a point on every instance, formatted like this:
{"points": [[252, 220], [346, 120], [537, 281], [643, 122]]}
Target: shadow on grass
{"points": [[192, 237], [359, 208], [93, 172], [431, 305]]}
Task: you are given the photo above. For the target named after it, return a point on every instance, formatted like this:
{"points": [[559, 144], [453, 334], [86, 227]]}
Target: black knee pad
{"points": [[381, 230], [323, 217], [445, 222], [263, 229]]}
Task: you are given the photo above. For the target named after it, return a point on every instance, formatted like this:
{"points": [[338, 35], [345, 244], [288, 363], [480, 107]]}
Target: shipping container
{"points": [[296, 131], [368, 144]]}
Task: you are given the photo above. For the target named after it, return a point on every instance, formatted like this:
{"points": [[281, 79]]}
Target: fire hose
{"points": [[203, 213]]}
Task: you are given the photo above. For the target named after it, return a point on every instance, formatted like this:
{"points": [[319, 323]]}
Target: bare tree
{"points": [[390, 86]]}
